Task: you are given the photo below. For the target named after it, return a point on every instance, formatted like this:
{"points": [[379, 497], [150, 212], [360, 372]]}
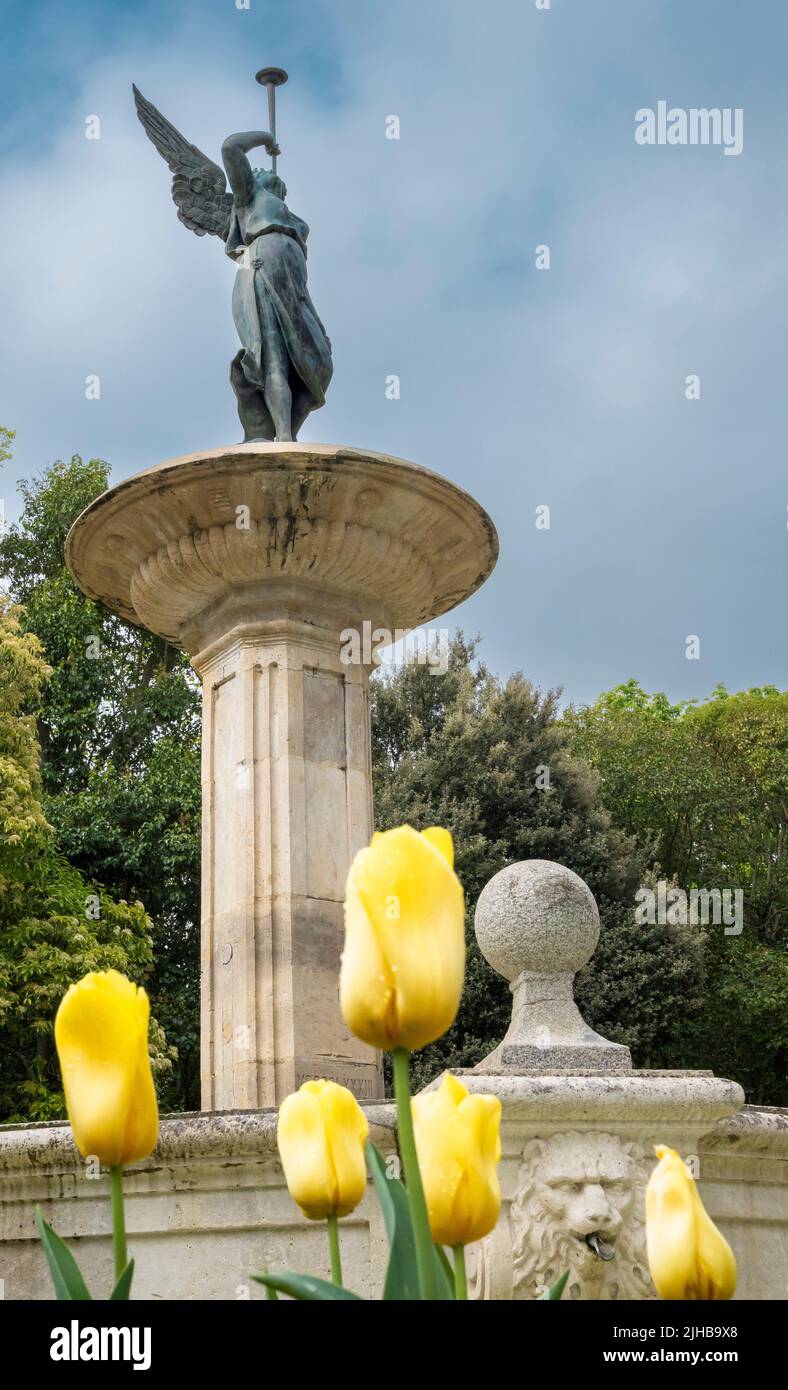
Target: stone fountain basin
{"points": [[400, 544]]}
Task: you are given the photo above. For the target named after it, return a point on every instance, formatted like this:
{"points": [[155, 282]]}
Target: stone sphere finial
{"points": [[537, 924], [536, 915]]}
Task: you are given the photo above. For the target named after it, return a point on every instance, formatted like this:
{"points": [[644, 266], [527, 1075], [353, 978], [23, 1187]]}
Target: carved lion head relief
{"points": [[580, 1198]]}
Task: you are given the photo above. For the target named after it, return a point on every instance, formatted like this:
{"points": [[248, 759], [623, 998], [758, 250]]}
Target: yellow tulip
{"points": [[321, 1132], [459, 1146], [101, 1033], [404, 959], [687, 1255]]}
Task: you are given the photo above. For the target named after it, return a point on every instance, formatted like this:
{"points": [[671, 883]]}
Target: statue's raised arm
{"points": [[283, 369], [239, 170]]}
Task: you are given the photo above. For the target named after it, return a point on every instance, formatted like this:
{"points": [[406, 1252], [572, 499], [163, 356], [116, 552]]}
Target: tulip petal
{"points": [[688, 1257], [670, 1233], [442, 841], [347, 1130], [716, 1261], [321, 1132], [480, 1118], [404, 959], [458, 1144], [452, 1089], [101, 1033], [441, 1167], [305, 1154], [366, 982]]}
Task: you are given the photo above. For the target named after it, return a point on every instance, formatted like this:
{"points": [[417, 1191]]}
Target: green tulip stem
{"points": [[118, 1221], [333, 1247], [460, 1276], [422, 1236]]}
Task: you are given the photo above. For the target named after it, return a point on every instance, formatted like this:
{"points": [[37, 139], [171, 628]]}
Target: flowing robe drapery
{"points": [[270, 292]]}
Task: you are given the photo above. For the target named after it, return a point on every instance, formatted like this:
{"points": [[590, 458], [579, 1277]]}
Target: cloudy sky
{"points": [[563, 387]]}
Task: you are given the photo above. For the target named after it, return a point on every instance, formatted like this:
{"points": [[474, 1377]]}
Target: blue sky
{"points": [[563, 387]]}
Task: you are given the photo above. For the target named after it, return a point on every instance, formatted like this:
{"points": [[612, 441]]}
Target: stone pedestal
{"points": [[577, 1152], [537, 924], [579, 1122], [279, 568]]}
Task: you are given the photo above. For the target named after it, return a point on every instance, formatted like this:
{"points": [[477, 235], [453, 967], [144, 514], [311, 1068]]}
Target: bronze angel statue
{"points": [[284, 366]]}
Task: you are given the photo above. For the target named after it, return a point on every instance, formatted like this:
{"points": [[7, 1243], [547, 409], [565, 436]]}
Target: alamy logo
{"points": [[698, 125], [365, 646], [674, 907], [75, 1343]]}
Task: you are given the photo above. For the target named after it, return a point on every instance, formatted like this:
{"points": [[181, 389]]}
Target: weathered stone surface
{"points": [[638, 1103], [205, 1212], [210, 1207], [576, 1154], [536, 915], [571, 1187], [743, 1172], [389, 540], [258, 559], [537, 924], [286, 804]]}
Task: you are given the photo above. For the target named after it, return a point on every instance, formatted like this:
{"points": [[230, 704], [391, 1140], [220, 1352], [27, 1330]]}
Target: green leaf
{"points": [[444, 1278], [402, 1275], [553, 1294], [66, 1277], [122, 1288], [306, 1286], [445, 1264]]}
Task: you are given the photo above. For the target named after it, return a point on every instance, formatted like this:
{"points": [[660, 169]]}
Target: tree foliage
{"points": [[54, 925], [6, 440], [491, 760], [118, 725], [703, 788]]}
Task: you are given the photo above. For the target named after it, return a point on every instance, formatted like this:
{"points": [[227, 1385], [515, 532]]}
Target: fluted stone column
{"points": [[258, 560], [286, 804]]}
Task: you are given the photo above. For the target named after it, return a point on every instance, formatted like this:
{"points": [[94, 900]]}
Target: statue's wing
{"points": [[199, 188]]}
